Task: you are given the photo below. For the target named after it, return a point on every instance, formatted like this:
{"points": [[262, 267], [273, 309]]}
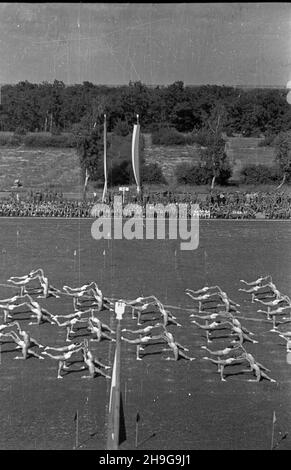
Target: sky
{"points": [[157, 43]]}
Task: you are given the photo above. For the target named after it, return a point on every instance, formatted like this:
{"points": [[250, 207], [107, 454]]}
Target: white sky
{"points": [[231, 43]]}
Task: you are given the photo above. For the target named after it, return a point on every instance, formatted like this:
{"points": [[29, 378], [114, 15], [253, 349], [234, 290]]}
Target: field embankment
{"points": [[241, 151], [59, 167], [40, 168]]}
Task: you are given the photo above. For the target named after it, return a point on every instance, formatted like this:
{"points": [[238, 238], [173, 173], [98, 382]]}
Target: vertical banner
{"points": [[86, 183], [135, 155], [105, 160]]}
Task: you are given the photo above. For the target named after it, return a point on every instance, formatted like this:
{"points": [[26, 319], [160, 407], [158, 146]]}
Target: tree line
{"points": [[64, 108]]}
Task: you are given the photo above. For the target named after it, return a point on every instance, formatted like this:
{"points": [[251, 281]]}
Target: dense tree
{"points": [[119, 167], [214, 162], [283, 155], [90, 149], [39, 106], [152, 174], [213, 158], [121, 128], [182, 117]]}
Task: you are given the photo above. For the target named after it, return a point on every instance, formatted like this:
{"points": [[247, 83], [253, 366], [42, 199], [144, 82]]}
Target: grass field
{"points": [[182, 405], [38, 168]]}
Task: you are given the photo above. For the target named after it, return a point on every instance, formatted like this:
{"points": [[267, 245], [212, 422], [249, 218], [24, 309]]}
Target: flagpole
{"points": [[105, 156]]}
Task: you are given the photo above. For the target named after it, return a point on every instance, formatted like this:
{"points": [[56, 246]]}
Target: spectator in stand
{"points": [[230, 205]]}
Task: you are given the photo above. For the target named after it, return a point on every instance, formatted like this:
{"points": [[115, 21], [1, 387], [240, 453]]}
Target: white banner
{"points": [[105, 161], [135, 155]]}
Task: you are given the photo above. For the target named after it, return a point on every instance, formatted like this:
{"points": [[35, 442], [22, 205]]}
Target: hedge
{"points": [[151, 173], [49, 140], [261, 174], [192, 174], [168, 136], [38, 139]]}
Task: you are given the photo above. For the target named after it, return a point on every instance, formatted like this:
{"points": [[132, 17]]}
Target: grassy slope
{"points": [[42, 167], [241, 151], [38, 168]]}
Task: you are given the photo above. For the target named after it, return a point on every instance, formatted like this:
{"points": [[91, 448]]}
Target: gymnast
{"points": [[63, 358], [237, 348], [70, 324], [141, 341], [26, 343], [96, 327], [258, 281], [92, 364], [256, 367], [9, 308], [176, 347], [222, 363]]}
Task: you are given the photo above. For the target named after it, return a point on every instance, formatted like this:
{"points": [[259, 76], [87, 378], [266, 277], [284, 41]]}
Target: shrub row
{"points": [[260, 174], [35, 140], [170, 136], [9, 140], [152, 174], [250, 174], [187, 173], [41, 140], [267, 141], [162, 136]]}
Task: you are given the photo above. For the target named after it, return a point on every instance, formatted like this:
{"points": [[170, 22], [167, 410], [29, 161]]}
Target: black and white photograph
{"points": [[145, 229]]}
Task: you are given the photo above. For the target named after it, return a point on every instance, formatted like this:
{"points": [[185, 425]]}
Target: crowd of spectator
{"points": [[249, 205], [44, 204], [235, 205]]}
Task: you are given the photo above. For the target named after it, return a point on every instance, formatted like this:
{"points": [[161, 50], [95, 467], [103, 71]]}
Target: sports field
{"points": [[182, 405]]}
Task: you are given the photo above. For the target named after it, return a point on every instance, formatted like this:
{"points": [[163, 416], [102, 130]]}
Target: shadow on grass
{"points": [[9, 351], [77, 361], [149, 319], [69, 372], [157, 343], [77, 328], [81, 335], [154, 353], [234, 374]]}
